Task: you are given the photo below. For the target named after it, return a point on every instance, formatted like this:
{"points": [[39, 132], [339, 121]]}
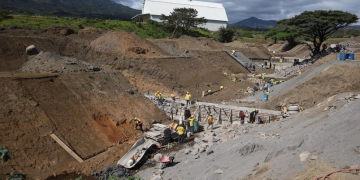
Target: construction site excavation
{"points": [[102, 104]]}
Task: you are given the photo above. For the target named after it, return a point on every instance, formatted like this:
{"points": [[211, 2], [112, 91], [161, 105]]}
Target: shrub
{"points": [[225, 34]]}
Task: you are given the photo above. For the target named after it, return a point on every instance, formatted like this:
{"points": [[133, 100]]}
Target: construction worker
{"points": [[138, 123], [191, 120], [209, 92], [272, 81], [253, 75], [210, 120], [188, 99], [221, 87], [269, 87], [235, 79], [180, 130], [299, 72], [242, 117], [172, 97], [233, 52], [253, 115], [159, 98]]}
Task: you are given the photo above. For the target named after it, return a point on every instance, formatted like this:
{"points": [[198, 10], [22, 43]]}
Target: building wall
{"points": [[210, 25]]}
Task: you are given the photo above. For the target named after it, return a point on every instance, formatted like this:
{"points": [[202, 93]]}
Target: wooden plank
{"points": [[67, 149]]}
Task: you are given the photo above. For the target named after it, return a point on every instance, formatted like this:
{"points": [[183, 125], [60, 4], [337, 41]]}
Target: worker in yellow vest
{"points": [[209, 92], [210, 120], [235, 79], [139, 123], [159, 98], [191, 120], [188, 98], [180, 129], [221, 87], [172, 97], [299, 72]]}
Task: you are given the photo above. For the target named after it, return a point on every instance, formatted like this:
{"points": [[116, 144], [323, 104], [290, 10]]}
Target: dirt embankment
{"points": [[90, 112], [331, 81]]}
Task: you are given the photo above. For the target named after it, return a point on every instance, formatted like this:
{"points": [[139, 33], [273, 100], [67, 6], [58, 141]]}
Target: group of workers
{"points": [[209, 92], [160, 99], [181, 130]]}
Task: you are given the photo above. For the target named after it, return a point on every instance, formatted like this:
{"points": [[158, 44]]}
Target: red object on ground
{"points": [[165, 160]]}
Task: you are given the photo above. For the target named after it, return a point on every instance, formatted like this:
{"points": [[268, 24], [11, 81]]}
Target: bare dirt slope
{"points": [[89, 112], [316, 84]]}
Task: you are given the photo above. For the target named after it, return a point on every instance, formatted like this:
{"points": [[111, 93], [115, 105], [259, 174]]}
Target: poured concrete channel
{"points": [[141, 146], [242, 59]]}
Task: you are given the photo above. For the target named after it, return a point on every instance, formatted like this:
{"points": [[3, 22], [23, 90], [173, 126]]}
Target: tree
{"points": [[272, 34], [317, 26], [182, 18], [284, 31], [225, 34], [4, 14]]}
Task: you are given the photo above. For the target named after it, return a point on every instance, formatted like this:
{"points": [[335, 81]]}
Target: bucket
{"points": [[181, 120], [351, 56], [188, 134], [337, 56], [265, 97], [342, 56], [196, 126]]}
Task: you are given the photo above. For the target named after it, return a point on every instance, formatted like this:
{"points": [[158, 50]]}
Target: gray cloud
{"points": [[270, 9]]}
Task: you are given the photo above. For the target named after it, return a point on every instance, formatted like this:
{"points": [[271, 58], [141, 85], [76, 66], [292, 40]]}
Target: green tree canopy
{"points": [[182, 18], [317, 26], [4, 14], [225, 34], [284, 31]]}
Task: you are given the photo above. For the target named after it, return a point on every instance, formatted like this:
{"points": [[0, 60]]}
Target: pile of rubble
{"points": [[111, 172], [290, 71], [46, 62], [161, 133]]}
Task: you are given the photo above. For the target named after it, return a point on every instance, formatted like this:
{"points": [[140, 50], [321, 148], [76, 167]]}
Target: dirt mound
{"points": [[177, 75], [54, 63], [89, 112], [60, 31], [126, 44], [198, 44], [172, 48], [90, 30], [236, 44], [339, 79]]}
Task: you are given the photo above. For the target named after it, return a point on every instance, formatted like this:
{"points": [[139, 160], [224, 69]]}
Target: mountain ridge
{"points": [[254, 22], [103, 9]]}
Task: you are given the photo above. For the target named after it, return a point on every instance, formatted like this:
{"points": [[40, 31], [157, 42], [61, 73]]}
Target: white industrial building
{"points": [[214, 12]]}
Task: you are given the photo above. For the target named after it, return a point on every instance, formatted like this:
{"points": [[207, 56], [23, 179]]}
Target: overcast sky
{"points": [[270, 9]]}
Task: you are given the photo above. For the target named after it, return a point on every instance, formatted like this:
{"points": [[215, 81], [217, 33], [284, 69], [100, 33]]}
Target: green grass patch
{"points": [[145, 30]]}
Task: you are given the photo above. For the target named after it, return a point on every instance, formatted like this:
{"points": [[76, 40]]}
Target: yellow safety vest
{"points": [[210, 119], [192, 121], [187, 97], [180, 130]]}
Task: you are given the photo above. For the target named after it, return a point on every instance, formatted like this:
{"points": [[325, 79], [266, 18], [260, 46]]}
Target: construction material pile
{"points": [[111, 172], [290, 71], [160, 133]]}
